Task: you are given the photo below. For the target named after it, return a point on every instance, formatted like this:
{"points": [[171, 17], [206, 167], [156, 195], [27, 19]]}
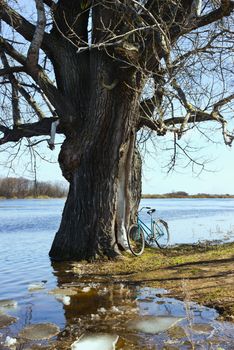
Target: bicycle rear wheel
{"points": [[161, 233], [136, 240]]}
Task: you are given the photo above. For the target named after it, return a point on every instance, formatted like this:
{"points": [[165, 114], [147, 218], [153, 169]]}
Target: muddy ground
{"points": [[202, 273]]}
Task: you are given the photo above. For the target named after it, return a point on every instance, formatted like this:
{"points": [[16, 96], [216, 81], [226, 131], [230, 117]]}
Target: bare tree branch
{"points": [[226, 8], [40, 77], [22, 26], [193, 116], [16, 86], [28, 130], [34, 48], [11, 51], [15, 97], [10, 70]]}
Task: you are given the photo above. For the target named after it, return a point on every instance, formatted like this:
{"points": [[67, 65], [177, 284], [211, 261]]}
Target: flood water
{"points": [[136, 317]]}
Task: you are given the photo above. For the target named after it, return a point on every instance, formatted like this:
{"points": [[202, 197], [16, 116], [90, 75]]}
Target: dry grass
{"points": [[207, 270]]}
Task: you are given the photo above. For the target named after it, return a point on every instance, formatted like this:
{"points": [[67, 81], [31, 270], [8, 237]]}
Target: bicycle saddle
{"points": [[151, 211]]}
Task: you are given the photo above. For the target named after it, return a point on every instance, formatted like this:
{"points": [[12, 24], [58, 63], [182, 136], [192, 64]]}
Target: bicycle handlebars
{"points": [[144, 208], [149, 208]]}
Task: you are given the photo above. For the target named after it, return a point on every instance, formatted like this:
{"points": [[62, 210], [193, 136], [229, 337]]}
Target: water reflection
{"points": [[104, 306], [141, 317], [82, 304]]}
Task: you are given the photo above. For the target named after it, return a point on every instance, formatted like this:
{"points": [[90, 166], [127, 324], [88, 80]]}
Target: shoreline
{"points": [[191, 196], [199, 273], [144, 196]]}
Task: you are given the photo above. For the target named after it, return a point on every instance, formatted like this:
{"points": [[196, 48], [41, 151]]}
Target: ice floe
{"points": [[33, 287], [152, 324], [202, 328], [10, 341], [8, 303], [39, 331], [63, 291], [95, 317], [102, 310], [65, 299], [96, 342], [116, 310]]}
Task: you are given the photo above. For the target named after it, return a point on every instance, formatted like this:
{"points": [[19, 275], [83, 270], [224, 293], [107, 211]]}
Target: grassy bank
{"points": [[200, 273]]}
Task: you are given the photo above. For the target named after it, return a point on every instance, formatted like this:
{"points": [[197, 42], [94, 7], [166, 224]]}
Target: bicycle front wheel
{"points": [[136, 240], [161, 233]]}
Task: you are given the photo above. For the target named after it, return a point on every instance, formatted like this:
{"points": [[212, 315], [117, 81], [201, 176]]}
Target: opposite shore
{"points": [[186, 195], [144, 196], [22, 188]]}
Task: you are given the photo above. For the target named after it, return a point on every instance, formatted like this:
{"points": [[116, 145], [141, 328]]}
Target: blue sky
{"points": [[218, 179], [218, 176]]}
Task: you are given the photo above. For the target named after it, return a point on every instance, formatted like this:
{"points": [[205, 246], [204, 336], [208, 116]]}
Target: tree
{"points": [[99, 72]]}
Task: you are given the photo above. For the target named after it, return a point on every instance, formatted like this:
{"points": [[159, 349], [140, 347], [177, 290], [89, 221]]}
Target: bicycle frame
{"points": [[154, 233], [149, 231]]}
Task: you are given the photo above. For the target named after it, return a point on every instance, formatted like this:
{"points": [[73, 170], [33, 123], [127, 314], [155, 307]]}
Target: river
{"points": [[27, 228]]}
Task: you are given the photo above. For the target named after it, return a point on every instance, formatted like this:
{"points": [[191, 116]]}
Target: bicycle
{"points": [[140, 234]]}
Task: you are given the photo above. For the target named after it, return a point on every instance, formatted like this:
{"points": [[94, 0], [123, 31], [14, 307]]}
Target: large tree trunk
{"points": [[98, 156], [98, 161]]}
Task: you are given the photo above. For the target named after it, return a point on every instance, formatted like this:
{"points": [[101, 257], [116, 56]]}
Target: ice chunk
{"points": [[10, 341], [152, 324], [8, 303], [116, 310], [66, 300], [63, 291], [96, 342], [95, 317], [102, 310], [202, 328], [36, 286], [39, 331]]}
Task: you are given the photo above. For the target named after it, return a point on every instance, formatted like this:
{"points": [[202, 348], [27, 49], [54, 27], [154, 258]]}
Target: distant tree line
{"points": [[182, 194], [12, 187]]}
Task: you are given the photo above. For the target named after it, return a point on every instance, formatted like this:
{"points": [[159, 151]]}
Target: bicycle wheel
{"points": [[161, 233], [136, 240]]}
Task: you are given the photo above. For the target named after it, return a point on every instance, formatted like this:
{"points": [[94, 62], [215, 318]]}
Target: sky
{"points": [[220, 179], [217, 178]]}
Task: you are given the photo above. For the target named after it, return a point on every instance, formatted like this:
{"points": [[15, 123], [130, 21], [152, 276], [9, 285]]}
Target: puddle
{"points": [[107, 316], [34, 293]]}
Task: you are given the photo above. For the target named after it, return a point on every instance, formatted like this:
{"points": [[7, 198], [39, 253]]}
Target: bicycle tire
{"points": [[161, 233], [136, 240]]}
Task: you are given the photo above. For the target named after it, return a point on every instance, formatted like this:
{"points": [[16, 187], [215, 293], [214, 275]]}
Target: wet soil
{"points": [[201, 273]]}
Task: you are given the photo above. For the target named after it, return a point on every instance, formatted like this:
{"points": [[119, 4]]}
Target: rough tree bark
{"points": [[98, 164], [97, 160]]}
